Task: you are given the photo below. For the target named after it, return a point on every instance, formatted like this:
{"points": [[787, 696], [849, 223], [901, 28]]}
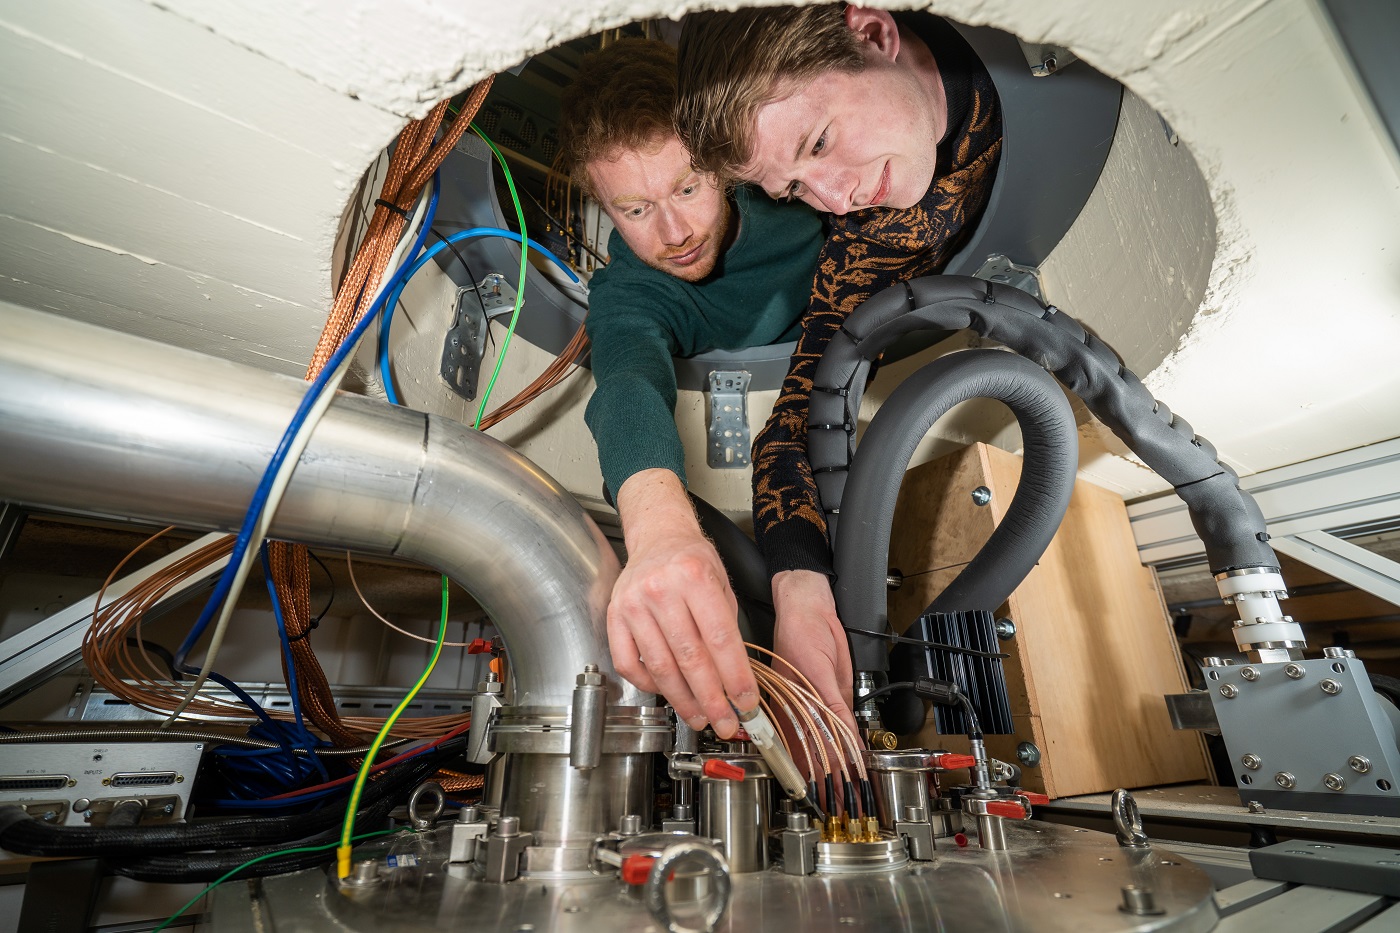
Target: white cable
{"points": [[283, 477]]}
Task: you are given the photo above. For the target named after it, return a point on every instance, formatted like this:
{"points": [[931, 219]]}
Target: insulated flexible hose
{"points": [[1226, 518], [1047, 480]]}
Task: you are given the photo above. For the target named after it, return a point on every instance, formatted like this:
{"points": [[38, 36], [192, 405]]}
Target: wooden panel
{"points": [[1093, 653]]}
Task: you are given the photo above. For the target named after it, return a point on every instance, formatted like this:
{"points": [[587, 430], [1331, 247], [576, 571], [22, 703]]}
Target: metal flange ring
{"points": [[711, 861]]}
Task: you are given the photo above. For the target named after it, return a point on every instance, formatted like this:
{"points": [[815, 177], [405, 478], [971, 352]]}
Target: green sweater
{"points": [[640, 317]]}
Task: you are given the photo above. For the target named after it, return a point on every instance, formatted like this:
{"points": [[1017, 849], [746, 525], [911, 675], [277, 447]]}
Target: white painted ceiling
{"points": [[179, 169]]}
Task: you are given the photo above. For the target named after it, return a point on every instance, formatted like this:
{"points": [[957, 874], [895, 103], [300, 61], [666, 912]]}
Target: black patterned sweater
{"points": [[865, 252]]}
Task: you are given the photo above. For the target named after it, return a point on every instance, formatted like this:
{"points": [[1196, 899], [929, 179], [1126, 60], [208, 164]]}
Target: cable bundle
{"points": [[824, 740]]}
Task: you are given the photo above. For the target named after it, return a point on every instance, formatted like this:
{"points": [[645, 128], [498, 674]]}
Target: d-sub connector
{"points": [[142, 779]]}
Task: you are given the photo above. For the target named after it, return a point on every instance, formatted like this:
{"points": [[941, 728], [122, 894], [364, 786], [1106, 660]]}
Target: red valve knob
{"points": [[479, 646], [1006, 808], [1038, 800], [951, 762], [722, 770], [636, 868], [960, 839]]}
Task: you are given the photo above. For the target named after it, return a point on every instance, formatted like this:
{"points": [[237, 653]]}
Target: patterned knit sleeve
{"points": [[788, 518]]}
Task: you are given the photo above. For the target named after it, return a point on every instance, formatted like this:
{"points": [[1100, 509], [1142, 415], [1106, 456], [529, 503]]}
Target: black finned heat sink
{"points": [[982, 679]]}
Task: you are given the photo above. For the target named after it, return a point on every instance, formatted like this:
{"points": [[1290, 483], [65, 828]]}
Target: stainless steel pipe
{"points": [[104, 423]]}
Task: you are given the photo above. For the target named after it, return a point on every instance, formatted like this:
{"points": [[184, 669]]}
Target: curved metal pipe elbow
{"points": [[109, 424]]}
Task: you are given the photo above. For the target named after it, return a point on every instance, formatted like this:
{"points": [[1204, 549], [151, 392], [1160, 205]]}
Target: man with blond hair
{"points": [[889, 124], [693, 267]]}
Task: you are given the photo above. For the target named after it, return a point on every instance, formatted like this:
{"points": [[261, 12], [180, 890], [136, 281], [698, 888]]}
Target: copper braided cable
{"points": [[412, 165]]}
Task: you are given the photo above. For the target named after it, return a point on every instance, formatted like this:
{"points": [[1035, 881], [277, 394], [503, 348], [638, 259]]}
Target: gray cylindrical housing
{"points": [[563, 805], [738, 813], [901, 781], [108, 424]]}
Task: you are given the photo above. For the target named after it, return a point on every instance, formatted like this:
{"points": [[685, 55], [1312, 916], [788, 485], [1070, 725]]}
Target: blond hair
{"points": [[623, 98], [731, 64]]}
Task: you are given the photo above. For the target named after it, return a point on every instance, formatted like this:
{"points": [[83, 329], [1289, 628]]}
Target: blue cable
{"points": [[318, 385], [310, 742], [387, 321]]}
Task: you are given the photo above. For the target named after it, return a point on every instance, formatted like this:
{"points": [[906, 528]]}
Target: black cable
{"points": [[163, 653], [882, 691], [21, 833], [329, 579], [471, 276], [564, 229], [848, 792], [922, 643]]}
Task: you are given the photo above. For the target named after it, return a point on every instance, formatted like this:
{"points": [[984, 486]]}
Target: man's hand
{"points": [[808, 633], [673, 623]]}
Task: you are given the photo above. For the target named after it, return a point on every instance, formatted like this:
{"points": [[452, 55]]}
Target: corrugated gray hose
{"points": [[1226, 518]]}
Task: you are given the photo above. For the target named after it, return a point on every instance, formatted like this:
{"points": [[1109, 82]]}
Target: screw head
{"points": [[1294, 671], [1333, 652], [508, 826], [1334, 781], [1249, 674], [1252, 762], [1005, 629], [1256, 807], [981, 495], [1027, 754], [1285, 780], [1359, 763], [1330, 687], [1229, 691]]}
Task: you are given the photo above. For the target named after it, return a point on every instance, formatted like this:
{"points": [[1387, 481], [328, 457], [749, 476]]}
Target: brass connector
{"points": [[872, 829], [833, 832], [855, 831], [883, 739]]}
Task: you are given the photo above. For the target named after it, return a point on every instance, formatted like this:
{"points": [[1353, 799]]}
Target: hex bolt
{"points": [[1252, 762], [798, 822], [508, 826], [981, 495], [1256, 807], [1358, 763], [1285, 780], [1028, 754], [1229, 691], [1330, 687], [1334, 781], [1295, 671], [1249, 674], [1213, 661], [1005, 629]]}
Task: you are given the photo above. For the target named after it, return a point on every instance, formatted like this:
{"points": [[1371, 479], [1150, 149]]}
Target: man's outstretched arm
{"points": [[673, 621]]}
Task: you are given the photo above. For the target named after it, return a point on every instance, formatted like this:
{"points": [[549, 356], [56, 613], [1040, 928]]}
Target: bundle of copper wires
{"points": [[824, 740], [118, 659], [416, 156], [563, 366]]}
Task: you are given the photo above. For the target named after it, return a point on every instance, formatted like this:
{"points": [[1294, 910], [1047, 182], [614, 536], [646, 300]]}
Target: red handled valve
{"points": [[947, 761]]}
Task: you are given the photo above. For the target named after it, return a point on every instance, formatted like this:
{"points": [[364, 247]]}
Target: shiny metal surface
{"points": [[562, 805], [108, 424], [1214, 805], [548, 730], [901, 781], [737, 813], [1050, 878]]}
